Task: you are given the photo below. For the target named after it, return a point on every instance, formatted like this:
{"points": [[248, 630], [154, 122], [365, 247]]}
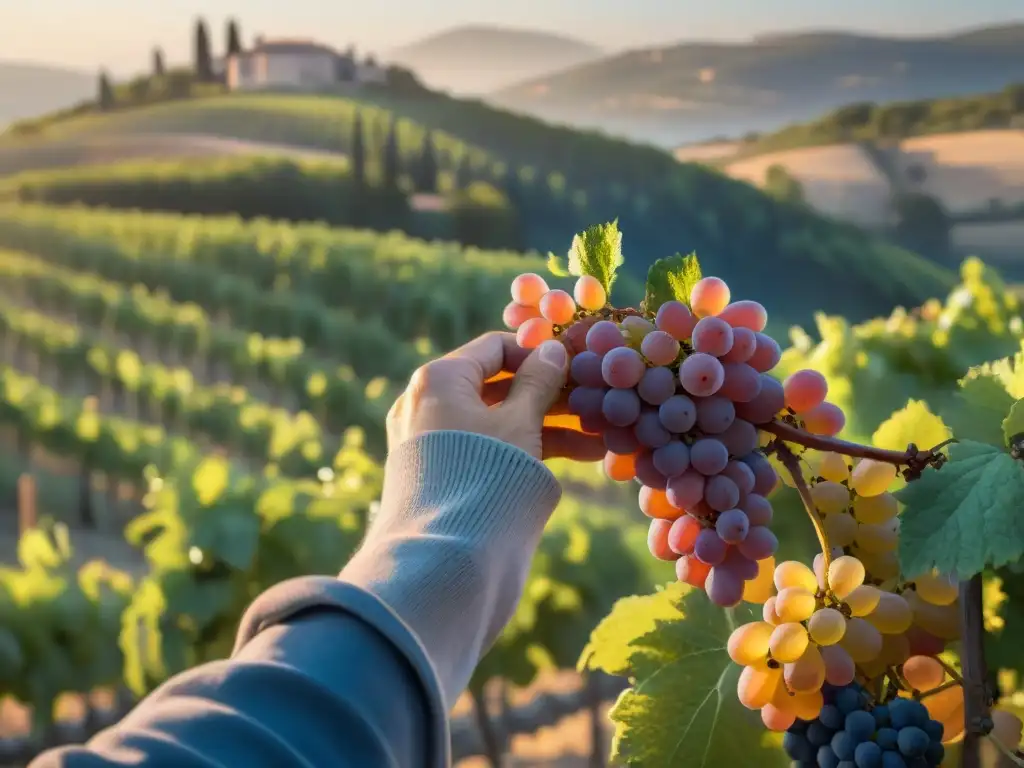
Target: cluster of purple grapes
{"points": [[678, 398], [899, 734]]}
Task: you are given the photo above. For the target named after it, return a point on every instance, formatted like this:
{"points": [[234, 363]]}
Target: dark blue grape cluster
{"points": [[850, 733]]}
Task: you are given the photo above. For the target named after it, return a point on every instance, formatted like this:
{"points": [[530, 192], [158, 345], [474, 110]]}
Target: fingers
{"points": [[562, 443], [538, 382], [486, 357], [496, 390]]}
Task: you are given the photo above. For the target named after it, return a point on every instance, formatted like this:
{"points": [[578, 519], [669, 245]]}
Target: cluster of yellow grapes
{"points": [[854, 620]]}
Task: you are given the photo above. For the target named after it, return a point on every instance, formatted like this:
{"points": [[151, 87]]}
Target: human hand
{"points": [[493, 387]]}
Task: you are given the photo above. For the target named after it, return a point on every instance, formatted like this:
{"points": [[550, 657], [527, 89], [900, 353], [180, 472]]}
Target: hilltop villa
{"points": [[298, 64]]}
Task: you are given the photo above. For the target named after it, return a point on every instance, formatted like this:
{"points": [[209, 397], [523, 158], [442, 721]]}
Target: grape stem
{"points": [[914, 459], [938, 689], [792, 465], [950, 670]]}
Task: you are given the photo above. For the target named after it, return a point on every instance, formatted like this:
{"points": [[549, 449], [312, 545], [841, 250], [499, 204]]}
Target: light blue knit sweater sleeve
{"points": [[360, 670]]}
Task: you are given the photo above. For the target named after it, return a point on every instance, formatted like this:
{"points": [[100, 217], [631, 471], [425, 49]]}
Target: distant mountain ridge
{"points": [[28, 89], [478, 59], [694, 90]]}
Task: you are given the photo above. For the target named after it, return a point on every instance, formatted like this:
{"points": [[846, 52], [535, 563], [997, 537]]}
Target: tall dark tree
{"points": [[105, 92], [392, 162], [358, 154], [463, 172], [158, 62], [426, 166], [234, 43], [202, 57]]}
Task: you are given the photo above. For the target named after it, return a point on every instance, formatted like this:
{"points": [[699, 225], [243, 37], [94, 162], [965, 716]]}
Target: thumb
{"points": [[539, 380]]}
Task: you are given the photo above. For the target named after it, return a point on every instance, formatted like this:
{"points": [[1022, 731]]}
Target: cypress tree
{"points": [[234, 44], [158, 63], [392, 161], [203, 59], [426, 168], [463, 172], [105, 95], [358, 154]]}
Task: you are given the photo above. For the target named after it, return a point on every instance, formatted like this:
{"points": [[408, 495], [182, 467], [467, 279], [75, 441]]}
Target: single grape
{"points": [[589, 293], [807, 673], [877, 539], [724, 587], [859, 723], [794, 604], [672, 459], [875, 509], [871, 478], [788, 642], [798, 748], [586, 369], [576, 334], [709, 547], [594, 425], [649, 431], [654, 504], [708, 456], [621, 468], [692, 571], [709, 296], [830, 498], [767, 353], [534, 332], [646, 472], [742, 475], [936, 588], [621, 440], [826, 419], [622, 368], [558, 307], [515, 315], [744, 344], [660, 348], [840, 668], [862, 641], [732, 526], [923, 672], [841, 529], [657, 385], [701, 374], [685, 490], [715, 414], [621, 407], [712, 336], [528, 288], [924, 643], [776, 719], [768, 612], [831, 466], [678, 414], [586, 401], [868, 755], [759, 589], [845, 574], [604, 336], [792, 573], [759, 544], [675, 319], [805, 389], [740, 439], [746, 314], [748, 644], [765, 405], [765, 477], [657, 540], [826, 626], [758, 509], [740, 382], [683, 535], [913, 741], [740, 564], [892, 615]]}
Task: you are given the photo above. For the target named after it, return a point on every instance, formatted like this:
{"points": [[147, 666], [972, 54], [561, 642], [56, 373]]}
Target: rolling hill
{"points": [[695, 90], [28, 89], [480, 59], [560, 181]]}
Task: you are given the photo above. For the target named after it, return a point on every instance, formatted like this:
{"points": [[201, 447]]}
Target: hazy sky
{"points": [[119, 34]]}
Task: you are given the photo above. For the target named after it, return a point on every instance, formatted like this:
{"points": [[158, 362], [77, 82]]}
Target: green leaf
{"points": [[556, 266], [1013, 424], [964, 516], [986, 395], [682, 708], [671, 279], [597, 252], [210, 480], [914, 423]]}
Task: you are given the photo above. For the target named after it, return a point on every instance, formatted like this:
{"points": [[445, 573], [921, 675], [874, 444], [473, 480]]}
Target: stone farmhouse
{"points": [[298, 65]]}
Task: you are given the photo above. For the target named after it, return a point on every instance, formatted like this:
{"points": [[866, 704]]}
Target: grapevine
{"points": [[845, 657]]}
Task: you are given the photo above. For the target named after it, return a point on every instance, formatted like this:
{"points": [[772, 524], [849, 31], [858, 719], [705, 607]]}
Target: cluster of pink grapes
{"points": [[678, 396]]}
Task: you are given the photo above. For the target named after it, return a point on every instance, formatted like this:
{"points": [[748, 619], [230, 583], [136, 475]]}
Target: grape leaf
{"points": [[1013, 424], [914, 423], [671, 279], [556, 266], [597, 252], [964, 516], [682, 708], [985, 396]]}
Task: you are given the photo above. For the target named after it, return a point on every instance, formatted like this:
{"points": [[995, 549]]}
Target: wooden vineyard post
{"points": [[977, 694], [28, 513]]}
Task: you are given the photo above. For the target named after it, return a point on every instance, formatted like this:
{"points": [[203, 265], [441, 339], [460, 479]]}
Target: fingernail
{"points": [[553, 353]]}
